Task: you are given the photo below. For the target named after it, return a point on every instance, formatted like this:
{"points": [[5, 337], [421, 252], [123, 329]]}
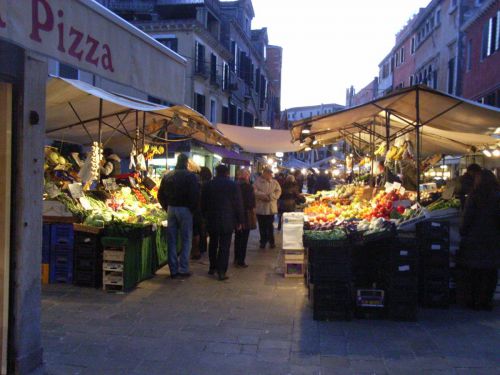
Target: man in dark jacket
{"points": [[179, 196], [222, 208]]}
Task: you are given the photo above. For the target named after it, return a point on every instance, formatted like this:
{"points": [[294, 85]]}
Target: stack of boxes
{"points": [[61, 253], [402, 279], [330, 281], [88, 259], [293, 248], [119, 272], [434, 256]]}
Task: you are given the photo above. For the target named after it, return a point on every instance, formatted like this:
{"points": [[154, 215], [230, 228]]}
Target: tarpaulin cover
{"points": [[228, 156], [72, 103], [461, 120], [259, 141]]}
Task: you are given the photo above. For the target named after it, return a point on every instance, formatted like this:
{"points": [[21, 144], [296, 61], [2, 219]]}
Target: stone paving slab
{"points": [[257, 322]]}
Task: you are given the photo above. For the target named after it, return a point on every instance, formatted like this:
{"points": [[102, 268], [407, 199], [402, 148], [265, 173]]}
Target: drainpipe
{"points": [[459, 49]]}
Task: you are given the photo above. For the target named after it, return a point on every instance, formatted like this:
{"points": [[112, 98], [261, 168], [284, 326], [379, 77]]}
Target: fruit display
{"points": [[149, 151], [126, 204]]}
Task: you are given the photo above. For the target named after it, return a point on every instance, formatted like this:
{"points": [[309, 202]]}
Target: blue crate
{"points": [[61, 267], [61, 234], [46, 243]]}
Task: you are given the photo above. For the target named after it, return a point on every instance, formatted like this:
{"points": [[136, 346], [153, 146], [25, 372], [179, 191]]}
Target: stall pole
{"points": [[143, 128], [387, 137], [100, 123], [166, 145], [417, 131], [137, 130]]}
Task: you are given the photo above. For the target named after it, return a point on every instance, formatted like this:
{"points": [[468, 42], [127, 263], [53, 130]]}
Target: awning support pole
{"points": [[81, 122], [143, 128], [100, 123], [387, 136], [417, 131]]}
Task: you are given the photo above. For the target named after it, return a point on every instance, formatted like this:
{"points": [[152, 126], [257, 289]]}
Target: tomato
{"points": [[401, 209]]}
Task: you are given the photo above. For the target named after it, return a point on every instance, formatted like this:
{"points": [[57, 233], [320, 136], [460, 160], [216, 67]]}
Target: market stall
{"points": [[107, 230], [378, 251]]}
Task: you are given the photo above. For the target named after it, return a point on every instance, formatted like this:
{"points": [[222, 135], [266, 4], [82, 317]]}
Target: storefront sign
{"points": [[87, 36]]}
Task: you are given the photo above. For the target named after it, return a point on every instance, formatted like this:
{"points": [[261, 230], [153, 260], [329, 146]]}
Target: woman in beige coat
{"points": [[267, 192]]}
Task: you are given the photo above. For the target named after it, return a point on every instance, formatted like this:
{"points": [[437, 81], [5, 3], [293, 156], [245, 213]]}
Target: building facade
{"points": [[366, 94], [301, 113], [481, 54], [451, 46], [274, 64], [227, 77]]}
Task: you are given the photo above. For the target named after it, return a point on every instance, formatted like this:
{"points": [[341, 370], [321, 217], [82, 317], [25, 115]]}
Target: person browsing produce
{"points": [[267, 192]]}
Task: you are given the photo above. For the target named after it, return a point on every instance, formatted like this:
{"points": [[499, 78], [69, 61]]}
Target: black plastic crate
{"points": [[428, 245], [86, 264], [436, 299], [319, 255], [89, 278], [406, 267], [86, 239], [435, 259], [433, 229], [85, 251], [401, 297], [332, 297], [330, 272], [371, 313]]}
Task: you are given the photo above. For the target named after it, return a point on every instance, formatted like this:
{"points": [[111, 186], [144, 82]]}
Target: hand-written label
{"points": [[85, 203], [52, 190], [76, 190]]}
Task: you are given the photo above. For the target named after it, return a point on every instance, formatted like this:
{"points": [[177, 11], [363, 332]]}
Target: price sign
{"points": [[402, 190], [388, 187], [52, 190], [85, 203], [396, 185], [76, 190]]}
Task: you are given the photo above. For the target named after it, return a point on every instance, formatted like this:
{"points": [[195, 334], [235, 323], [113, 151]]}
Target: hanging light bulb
{"points": [[496, 152], [292, 170], [487, 153], [307, 148]]}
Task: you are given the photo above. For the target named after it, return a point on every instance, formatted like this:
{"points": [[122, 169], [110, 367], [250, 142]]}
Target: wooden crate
{"points": [[294, 269]]}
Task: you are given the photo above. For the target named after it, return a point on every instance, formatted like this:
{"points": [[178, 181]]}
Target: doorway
{"points": [[5, 168]]}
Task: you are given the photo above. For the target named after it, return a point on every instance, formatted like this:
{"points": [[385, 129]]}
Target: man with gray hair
{"points": [[179, 195]]}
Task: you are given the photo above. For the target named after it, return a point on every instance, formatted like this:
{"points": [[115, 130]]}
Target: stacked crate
{"points": [[434, 259], [330, 280], [88, 259], [119, 272], [61, 253], [402, 279]]}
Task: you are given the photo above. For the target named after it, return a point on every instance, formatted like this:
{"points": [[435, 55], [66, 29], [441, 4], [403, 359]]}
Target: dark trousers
{"points": [[240, 245], [481, 285], [203, 238], [266, 229], [218, 251]]}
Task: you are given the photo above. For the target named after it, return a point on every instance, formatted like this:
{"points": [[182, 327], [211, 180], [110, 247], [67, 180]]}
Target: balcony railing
{"points": [[130, 5]]}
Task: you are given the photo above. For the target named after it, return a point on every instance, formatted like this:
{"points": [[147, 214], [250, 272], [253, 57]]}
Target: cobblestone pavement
{"points": [[256, 322]]}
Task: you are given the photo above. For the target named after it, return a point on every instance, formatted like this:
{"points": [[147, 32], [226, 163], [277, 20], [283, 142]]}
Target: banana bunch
{"points": [[401, 151], [365, 161], [150, 151], [391, 153], [380, 150]]}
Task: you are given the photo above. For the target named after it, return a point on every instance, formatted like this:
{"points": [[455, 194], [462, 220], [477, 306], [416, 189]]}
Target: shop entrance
{"points": [[5, 167]]}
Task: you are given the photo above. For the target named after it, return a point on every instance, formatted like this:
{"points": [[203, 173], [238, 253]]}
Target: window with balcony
{"points": [[451, 75], [199, 62], [491, 36], [240, 117], [213, 111], [225, 76], [413, 45], [213, 70], [225, 114], [402, 55], [199, 103]]}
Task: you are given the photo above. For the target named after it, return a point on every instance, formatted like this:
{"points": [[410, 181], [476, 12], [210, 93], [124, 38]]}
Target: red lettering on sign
{"points": [[60, 27], [42, 19], [36, 23], [76, 43], [90, 58], [2, 23], [106, 61]]}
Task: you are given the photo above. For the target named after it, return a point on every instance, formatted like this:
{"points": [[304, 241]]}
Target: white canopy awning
{"points": [[452, 124], [72, 115], [259, 141]]}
